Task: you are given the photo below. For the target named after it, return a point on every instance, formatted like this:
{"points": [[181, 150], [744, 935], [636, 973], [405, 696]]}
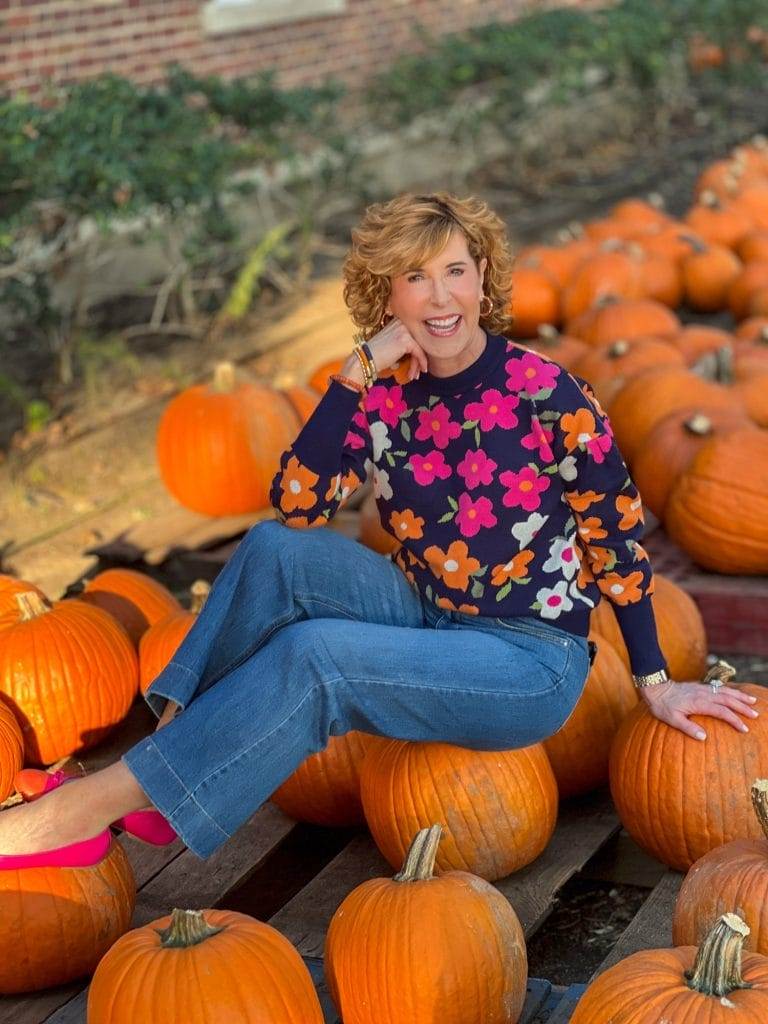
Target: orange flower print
{"points": [[600, 559], [584, 575], [579, 428], [515, 569], [590, 395], [630, 509], [296, 485], [590, 529], [449, 606], [406, 525], [581, 500], [303, 523], [622, 589], [453, 566], [639, 552]]}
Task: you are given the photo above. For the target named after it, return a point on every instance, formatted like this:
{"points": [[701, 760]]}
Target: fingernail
{"points": [[701, 735], [744, 728], [754, 713], [751, 699]]}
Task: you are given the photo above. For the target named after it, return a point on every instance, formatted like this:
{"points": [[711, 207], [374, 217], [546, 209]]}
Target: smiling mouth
{"points": [[443, 326]]}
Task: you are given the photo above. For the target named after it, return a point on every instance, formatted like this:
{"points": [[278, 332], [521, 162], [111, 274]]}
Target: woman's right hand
{"points": [[387, 347]]}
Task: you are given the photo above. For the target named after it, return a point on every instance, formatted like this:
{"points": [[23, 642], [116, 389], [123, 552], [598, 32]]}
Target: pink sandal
{"points": [[149, 825], [84, 854]]}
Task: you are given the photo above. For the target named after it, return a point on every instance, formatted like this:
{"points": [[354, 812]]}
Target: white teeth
{"points": [[447, 322]]}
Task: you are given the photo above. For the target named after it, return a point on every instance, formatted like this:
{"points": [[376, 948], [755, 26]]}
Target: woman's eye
{"points": [[457, 271], [414, 277]]}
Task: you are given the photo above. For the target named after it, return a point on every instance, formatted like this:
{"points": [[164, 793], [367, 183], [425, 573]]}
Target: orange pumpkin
{"points": [[712, 985], [11, 749], [562, 348], [697, 340], [641, 213], [718, 222], [578, 752], [653, 394], [219, 444], [732, 875], [670, 790], [751, 279], [372, 533], [558, 261], [67, 671], [609, 367], [134, 599], [753, 247], [671, 447], [535, 300], [498, 809], [679, 626], [708, 273], [420, 947], [660, 278], [754, 328], [319, 378], [623, 319], [163, 638], [216, 965], [304, 400], [325, 789], [59, 922], [718, 509], [603, 275]]}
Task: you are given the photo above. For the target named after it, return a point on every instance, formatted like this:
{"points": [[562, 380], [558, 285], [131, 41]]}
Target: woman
{"points": [[497, 472]]}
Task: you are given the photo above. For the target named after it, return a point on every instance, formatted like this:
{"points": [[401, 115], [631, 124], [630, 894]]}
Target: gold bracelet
{"points": [[367, 375], [365, 354]]}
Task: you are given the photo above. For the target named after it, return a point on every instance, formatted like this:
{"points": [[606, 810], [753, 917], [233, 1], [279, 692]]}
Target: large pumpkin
{"points": [[423, 948], [679, 626], [732, 875], [325, 789], [622, 320], [320, 377], [679, 797], [498, 809], [11, 749], [718, 509], [9, 588], [59, 922], [715, 984], [203, 965], [161, 641], [563, 348], [133, 598], [219, 444], [671, 447], [609, 367], [535, 300], [579, 751], [68, 672]]}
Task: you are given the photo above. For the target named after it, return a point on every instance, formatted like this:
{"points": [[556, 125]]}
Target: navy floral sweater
{"points": [[502, 484]]}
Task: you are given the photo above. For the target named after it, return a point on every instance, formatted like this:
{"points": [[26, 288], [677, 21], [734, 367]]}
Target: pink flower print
{"points": [[353, 440], [531, 374], [541, 438], [474, 514], [598, 445], [388, 401], [554, 600], [435, 425], [427, 467], [495, 410], [524, 488], [476, 468]]}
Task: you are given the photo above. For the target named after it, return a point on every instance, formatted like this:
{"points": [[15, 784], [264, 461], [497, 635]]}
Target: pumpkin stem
{"points": [[759, 793], [223, 377], [31, 605], [419, 863], [548, 333], [762, 338], [198, 593], [710, 199], [724, 364], [698, 424], [721, 671], [618, 348], [717, 968], [187, 928]]}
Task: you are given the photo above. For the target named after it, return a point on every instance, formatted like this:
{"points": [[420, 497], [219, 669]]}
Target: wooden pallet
{"points": [[172, 876]]}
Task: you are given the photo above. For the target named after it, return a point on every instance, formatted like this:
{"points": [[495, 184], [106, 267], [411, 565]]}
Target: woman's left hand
{"points": [[674, 702]]}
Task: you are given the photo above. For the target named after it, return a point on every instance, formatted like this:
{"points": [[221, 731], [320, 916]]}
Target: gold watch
{"points": [[652, 679]]}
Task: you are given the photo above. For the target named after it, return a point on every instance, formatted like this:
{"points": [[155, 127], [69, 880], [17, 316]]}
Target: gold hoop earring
{"points": [[486, 312]]}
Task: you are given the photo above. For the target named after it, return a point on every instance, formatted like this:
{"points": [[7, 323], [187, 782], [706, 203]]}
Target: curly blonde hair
{"points": [[409, 230]]}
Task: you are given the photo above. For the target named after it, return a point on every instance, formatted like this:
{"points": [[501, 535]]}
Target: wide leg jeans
{"points": [[307, 635]]}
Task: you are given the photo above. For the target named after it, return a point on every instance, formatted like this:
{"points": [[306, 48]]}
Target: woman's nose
{"points": [[441, 293]]}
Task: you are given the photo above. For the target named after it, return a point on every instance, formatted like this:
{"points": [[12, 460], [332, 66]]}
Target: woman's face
{"points": [[439, 303]]}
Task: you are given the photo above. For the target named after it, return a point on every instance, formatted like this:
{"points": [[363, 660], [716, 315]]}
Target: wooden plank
{"points": [[622, 862], [582, 829], [564, 1009], [651, 927]]}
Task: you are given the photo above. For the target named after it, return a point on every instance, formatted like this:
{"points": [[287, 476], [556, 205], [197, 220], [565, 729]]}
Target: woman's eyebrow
{"points": [[455, 263]]}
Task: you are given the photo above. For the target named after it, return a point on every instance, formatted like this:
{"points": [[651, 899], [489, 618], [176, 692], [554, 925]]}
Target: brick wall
{"points": [[71, 40]]}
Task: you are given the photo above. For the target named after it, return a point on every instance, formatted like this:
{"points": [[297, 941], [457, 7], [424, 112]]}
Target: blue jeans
{"points": [[307, 634]]}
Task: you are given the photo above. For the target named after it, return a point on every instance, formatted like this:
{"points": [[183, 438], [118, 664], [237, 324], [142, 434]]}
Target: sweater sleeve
{"points": [[609, 518], [326, 462]]}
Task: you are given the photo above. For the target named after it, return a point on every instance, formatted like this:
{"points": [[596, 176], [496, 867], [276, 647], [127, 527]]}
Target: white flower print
{"points": [[563, 557], [525, 531], [574, 591], [554, 600], [381, 485], [567, 468], [381, 439]]}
